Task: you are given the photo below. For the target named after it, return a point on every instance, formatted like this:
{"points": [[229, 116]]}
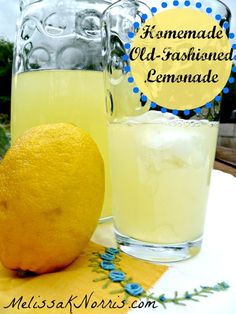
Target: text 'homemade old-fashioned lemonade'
{"points": [[161, 167], [53, 96]]}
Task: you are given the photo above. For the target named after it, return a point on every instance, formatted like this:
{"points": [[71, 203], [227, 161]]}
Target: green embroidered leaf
{"points": [[100, 279], [117, 291]]}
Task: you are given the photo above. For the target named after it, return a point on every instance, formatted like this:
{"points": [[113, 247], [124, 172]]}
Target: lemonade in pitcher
{"points": [[63, 96], [58, 71]]}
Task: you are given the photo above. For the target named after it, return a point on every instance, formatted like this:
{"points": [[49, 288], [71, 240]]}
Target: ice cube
{"points": [[151, 116], [174, 146]]}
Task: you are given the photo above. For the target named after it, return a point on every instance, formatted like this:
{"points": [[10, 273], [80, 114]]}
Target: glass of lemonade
{"points": [[160, 162], [57, 72]]}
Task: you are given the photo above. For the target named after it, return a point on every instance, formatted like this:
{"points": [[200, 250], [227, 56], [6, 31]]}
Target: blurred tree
{"points": [[6, 56], [5, 136]]}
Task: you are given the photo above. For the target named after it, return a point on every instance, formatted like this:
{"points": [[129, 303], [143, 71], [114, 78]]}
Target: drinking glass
{"points": [[160, 162], [57, 71]]}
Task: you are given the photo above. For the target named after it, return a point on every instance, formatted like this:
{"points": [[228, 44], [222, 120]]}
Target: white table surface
{"points": [[215, 263]]}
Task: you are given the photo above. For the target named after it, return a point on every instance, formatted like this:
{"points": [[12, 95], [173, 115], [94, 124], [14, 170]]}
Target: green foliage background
{"points": [[6, 57], [5, 137]]}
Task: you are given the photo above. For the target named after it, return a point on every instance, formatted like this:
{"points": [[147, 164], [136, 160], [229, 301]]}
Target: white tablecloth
{"points": [[215, 263]]}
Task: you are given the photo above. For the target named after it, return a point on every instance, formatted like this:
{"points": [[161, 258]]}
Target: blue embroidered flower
{"points": [[162, 298], [216, 287], [134, 289], [107, 265], [112, 251], [188, 296], [107, 257], [117, 276], [224, 285]]}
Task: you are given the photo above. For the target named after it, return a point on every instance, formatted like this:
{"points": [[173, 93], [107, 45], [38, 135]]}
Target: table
{"points": [[215, 263], [226, 160]]}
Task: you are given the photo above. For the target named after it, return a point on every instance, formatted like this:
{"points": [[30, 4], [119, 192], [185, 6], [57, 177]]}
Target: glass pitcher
{"points": [[57, 71], [160, 185]]}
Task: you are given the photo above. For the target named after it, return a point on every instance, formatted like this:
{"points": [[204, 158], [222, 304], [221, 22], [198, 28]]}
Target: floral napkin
{"points": [[101, 280]]}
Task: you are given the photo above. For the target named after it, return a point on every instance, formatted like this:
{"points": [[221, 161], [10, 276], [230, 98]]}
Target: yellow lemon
{"points": [[51, 197]]}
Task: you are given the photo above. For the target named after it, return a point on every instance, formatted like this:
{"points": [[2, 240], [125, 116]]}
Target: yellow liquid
{"points": [[63, 96], [160, 178]]}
